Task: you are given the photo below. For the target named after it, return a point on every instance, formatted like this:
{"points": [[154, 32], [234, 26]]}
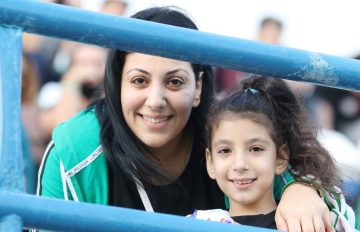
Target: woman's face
{"points": [[157, 96]]}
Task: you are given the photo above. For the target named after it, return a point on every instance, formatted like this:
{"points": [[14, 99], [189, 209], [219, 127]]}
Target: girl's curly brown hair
{"points": [[286, 120]]}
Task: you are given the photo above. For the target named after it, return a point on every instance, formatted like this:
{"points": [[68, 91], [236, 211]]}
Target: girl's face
{"points": [[157, 96], [243, 161]]}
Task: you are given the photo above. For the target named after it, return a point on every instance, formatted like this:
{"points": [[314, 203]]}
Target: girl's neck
{"points": [[264, 205]]}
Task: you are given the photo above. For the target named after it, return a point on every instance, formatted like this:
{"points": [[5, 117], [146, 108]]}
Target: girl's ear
{"points": [[210, 164], [282, 159], [198, 88]]}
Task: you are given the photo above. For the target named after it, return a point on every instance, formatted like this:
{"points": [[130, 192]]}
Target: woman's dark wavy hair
{"points": [[122, 148], [267, 100]]}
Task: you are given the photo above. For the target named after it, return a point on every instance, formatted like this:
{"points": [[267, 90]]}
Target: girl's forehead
{"points": [[241, 130], [238, 117]]}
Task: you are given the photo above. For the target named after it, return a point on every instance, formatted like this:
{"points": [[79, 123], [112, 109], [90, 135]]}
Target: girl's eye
{"points": [[256, 149], [224, 151], [176, 82]]}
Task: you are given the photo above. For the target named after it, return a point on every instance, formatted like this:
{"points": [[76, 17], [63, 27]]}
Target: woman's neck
{"points": [[174, 156]]}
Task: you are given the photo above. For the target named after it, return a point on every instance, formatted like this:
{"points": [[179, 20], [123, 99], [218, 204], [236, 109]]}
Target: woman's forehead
{"points": [[139, 59]]}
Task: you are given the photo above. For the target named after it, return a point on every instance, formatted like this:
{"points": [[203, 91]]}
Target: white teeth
{"points": [[243, 182], [155, 120]]}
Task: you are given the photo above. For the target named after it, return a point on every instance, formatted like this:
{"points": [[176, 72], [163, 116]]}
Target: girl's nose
{"points": [[156, 98], [240, 162]]}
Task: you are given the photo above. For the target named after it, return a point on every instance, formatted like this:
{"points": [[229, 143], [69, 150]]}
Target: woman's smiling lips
{"points": [[155, 121]]}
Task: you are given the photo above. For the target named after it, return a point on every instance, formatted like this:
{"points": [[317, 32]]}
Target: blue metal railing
{"points": [[180, 43], [47, 213], [127, 34]]}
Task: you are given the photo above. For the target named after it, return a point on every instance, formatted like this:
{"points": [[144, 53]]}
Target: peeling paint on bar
{"points": [[319, 71]]}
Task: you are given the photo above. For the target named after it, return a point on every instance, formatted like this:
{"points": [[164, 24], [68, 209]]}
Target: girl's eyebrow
{"points": [[260, 140], [222, 141], [250, 141], [139, 70]]}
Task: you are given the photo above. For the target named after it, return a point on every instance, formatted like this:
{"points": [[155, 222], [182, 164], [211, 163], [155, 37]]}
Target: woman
{"points": [[142, 145]]}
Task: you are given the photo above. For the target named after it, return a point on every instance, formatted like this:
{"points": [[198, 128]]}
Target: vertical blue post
{"points": [[11, 223], [11, 168]]}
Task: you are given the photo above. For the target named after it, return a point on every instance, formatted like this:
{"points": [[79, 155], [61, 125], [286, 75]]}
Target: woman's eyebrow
{"points": [[139, 70], [176, 70]]}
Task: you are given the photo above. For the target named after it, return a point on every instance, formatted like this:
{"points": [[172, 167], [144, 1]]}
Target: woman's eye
{"points": [[256, 149], [138, 81], [175, 82]]}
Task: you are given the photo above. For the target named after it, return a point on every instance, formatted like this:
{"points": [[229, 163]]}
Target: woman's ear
{"points": [[210, 164], [282, 159], [198, 87]]}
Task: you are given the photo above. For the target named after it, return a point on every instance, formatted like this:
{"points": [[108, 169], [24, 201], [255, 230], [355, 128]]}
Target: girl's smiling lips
{"points": [[243, 183]]}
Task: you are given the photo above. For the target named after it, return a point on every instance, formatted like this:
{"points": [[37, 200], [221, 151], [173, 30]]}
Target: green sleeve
{"points": [[50, 182], [281, 182]]}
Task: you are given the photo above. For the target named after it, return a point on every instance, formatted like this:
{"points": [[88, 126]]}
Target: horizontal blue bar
{"points": [[179, 43], [54, 214]]}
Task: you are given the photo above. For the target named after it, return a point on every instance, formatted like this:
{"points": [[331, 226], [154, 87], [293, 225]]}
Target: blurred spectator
{"points": [[43, 51], [346, 110], [60, 101], [226, 80], [114, 7], [270, 31], [33, 141], [30, 110]]}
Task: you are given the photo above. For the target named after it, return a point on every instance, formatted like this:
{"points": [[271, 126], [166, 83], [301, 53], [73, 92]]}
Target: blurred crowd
{"points": [[59, 79]]}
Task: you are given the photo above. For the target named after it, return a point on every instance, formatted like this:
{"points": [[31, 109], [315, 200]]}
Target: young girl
{"points": [[252, 136]]}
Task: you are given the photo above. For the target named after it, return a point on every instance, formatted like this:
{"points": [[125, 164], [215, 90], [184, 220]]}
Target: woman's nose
{"points": [[156, 98]]}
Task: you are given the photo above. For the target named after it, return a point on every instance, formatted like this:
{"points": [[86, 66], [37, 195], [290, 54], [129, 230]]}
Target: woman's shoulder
{"points": [[82, 124], [79, 136]]}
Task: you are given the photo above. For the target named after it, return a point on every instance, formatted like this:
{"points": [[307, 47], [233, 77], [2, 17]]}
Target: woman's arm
{"points": [[302, 209]]}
